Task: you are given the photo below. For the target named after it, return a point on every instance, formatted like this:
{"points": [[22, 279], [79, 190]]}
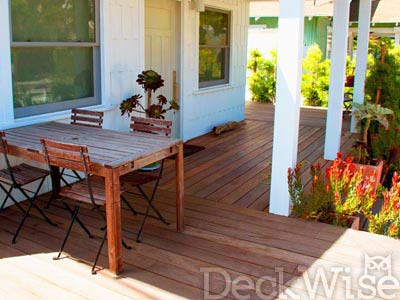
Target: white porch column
{"points": [[6, 93], [288, 98], [337, 78], [397, 35], [364, 24]]}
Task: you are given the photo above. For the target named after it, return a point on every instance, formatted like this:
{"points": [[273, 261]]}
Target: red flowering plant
{"points": [[343, 192], [350, 191], [307, 205], [387, 221], [150, 81]]}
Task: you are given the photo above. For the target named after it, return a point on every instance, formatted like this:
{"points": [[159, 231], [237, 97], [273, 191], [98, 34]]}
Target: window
{"points": [[55, 55], [214, 50]]}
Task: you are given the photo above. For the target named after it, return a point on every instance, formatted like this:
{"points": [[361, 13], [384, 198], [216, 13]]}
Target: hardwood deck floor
{"points": [[229, 241], [233, 169], [234, 242]]}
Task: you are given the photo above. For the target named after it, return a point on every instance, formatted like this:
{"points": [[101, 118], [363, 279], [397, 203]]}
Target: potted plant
{"points": [[366, 114], [150, 81], [351, 191], [339, 198]]}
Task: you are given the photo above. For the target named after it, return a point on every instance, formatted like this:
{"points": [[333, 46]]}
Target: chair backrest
{"points": [[4, 150], [70, 156], [87, 118], [151, 126]]}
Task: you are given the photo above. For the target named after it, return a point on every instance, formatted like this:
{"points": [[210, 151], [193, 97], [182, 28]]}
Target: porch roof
{"points": [[383, 11]]}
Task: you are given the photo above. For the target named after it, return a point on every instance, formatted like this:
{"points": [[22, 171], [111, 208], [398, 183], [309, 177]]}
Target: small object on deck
{"points": [[225, 127]]}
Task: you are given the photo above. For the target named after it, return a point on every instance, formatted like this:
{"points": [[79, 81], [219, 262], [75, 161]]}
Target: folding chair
{"points": [[139, 178], [81, 117], [89, 191], [17, 178]]}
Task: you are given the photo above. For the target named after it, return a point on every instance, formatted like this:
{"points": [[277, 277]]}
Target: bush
{"points": [[315, 82], [384, 76], [262, 82]]}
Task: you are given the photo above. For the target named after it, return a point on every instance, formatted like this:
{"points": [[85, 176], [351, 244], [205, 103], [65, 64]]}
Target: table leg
{"points": [[179, 189], [113, 212], [55, 181]]}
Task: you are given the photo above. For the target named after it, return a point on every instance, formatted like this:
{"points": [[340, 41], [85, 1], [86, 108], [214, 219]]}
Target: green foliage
{"points": [[315, 83], [387, 221], [306, 206], [386, 146], [386, 76], [369, 112], [262, 82]]}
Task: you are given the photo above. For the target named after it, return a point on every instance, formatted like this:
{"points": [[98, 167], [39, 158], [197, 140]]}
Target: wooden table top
{"points": [[106, 147]]}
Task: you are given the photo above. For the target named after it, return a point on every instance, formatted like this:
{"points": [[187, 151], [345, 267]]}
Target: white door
{"points": [[161, 35]]}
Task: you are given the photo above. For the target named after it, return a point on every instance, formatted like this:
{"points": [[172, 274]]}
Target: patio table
{"points": [[113, 154]]}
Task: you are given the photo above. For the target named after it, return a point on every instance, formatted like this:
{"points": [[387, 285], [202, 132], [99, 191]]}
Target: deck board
{"points": [[233, 167], [221, 232]]}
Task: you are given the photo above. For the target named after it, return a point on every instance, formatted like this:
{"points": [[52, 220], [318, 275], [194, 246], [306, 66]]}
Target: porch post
{"points": [[364, 24], [6, 92], [287, 108], [337, 78], [397, 35]]}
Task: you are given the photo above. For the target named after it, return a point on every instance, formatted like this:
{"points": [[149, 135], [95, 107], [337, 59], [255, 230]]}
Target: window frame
{"points": [[41, 109], [227, 47]]}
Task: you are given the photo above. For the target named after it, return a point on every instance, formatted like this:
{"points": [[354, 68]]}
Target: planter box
{"points": [[352, 221], [370, 169]]}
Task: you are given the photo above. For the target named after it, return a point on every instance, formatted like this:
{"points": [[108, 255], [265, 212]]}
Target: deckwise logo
{"points": [[376, 282]]}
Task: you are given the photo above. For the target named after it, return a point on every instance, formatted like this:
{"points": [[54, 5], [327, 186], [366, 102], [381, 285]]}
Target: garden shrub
{"points": [[262, 82], [384, 76], [315, 81]]}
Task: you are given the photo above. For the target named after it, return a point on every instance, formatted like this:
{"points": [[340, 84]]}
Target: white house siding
{"points": [[122, 36], [123, 55], [122, 59], [202, 109]]}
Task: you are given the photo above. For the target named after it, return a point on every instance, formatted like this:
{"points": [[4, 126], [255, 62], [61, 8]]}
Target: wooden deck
{"points": [[234, 166], [219, 237]]}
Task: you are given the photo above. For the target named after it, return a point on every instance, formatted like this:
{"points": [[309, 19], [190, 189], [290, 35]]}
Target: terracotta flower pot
{"points": [[352, 222], [370, 169], [350, 81]]}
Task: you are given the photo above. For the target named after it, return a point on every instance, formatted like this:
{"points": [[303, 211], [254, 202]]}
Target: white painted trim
{"points": [[6, 91], [51, 117], [104, 13], [381, 30], [364, 25], [337, 78], [7, 119], [288, 95], [214, 89]]}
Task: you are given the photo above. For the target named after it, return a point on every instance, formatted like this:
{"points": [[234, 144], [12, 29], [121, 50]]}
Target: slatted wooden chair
{"points": [[88, 118], [139, 178], [87, 192], [16, 178], [81, 117]]}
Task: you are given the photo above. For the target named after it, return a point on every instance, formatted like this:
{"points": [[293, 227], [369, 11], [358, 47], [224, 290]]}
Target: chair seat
{"points": [[23, 174], [79, 191], [136, 178]]}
